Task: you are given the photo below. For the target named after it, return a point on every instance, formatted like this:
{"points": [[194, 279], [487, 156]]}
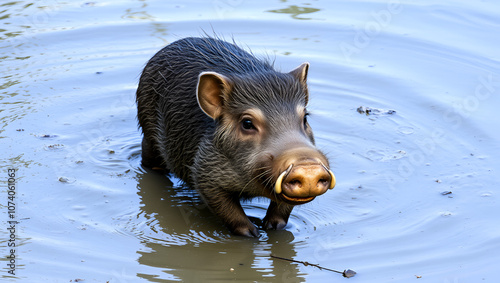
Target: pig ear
{"points": [[300, 73], [210, 92]]}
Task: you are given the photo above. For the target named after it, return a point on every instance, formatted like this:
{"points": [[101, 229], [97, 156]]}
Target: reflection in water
{"points": [[295, 11], [141, 13], [16, 162], [8, 83], [189, 243], [12, 107], [22, 22]]}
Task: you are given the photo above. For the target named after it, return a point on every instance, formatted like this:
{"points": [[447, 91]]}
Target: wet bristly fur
{"points": [[206, 153]]}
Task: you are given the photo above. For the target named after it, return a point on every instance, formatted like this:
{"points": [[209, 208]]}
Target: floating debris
{"points": [[348, 273], [55, 146], [447, 193], [374, 111]]}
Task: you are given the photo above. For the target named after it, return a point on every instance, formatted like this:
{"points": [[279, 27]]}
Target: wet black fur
{"points": [[181, 138]]}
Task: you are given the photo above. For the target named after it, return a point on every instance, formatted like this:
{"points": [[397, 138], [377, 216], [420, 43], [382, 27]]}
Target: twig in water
{"points": [[346, 273]]}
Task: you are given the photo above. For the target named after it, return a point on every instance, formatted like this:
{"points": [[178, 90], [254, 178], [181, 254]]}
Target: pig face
{"points": [[261, 125]]}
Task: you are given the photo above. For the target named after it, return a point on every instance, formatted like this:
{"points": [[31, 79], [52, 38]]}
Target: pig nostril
{"points": [[323, 182], [295, 183]]}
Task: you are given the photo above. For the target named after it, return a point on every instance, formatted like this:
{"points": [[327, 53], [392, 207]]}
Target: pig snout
{"points": [[303, 180]]}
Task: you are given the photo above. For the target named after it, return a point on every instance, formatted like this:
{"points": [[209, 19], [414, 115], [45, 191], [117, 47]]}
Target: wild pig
{"points": [[231, 127]]}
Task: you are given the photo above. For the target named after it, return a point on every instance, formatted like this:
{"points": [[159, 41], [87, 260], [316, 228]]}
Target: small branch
{"points": [[346, 273], [306, 263]]}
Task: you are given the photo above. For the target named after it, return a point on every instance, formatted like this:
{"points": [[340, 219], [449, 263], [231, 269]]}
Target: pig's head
{"points": [[262, 128]]}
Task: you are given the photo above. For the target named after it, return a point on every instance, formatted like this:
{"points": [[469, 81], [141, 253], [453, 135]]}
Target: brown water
{"points": [[86, 209]]}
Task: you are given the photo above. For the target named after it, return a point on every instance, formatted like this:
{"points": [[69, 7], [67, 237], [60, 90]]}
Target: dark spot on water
{"points": [[374, 111], [98, 73], [447, 193], [55, 146], [48, 136]]}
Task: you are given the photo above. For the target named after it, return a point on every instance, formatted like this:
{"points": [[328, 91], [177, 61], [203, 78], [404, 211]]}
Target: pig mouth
{"points": [[295, 201]]}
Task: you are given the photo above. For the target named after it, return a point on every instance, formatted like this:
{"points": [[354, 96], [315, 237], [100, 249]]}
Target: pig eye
{"points": [[305, 119], [247, 125]]}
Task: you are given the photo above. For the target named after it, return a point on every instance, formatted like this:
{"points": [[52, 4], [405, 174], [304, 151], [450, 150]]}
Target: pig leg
{"points": [[277, 215], [228, 208], [150, 157]]}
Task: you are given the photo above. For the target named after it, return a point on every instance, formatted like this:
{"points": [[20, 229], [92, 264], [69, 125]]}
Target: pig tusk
{"points": [[334, 181], [277, 186]]}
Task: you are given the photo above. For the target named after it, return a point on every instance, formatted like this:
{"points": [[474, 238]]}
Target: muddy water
{"points": [[404, 99]]}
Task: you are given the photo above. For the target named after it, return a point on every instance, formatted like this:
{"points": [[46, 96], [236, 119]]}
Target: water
{"points": [[430, 73]]}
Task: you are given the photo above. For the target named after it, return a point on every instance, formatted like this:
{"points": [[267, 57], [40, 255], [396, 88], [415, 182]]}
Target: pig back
{"points": [[168, 111]]}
